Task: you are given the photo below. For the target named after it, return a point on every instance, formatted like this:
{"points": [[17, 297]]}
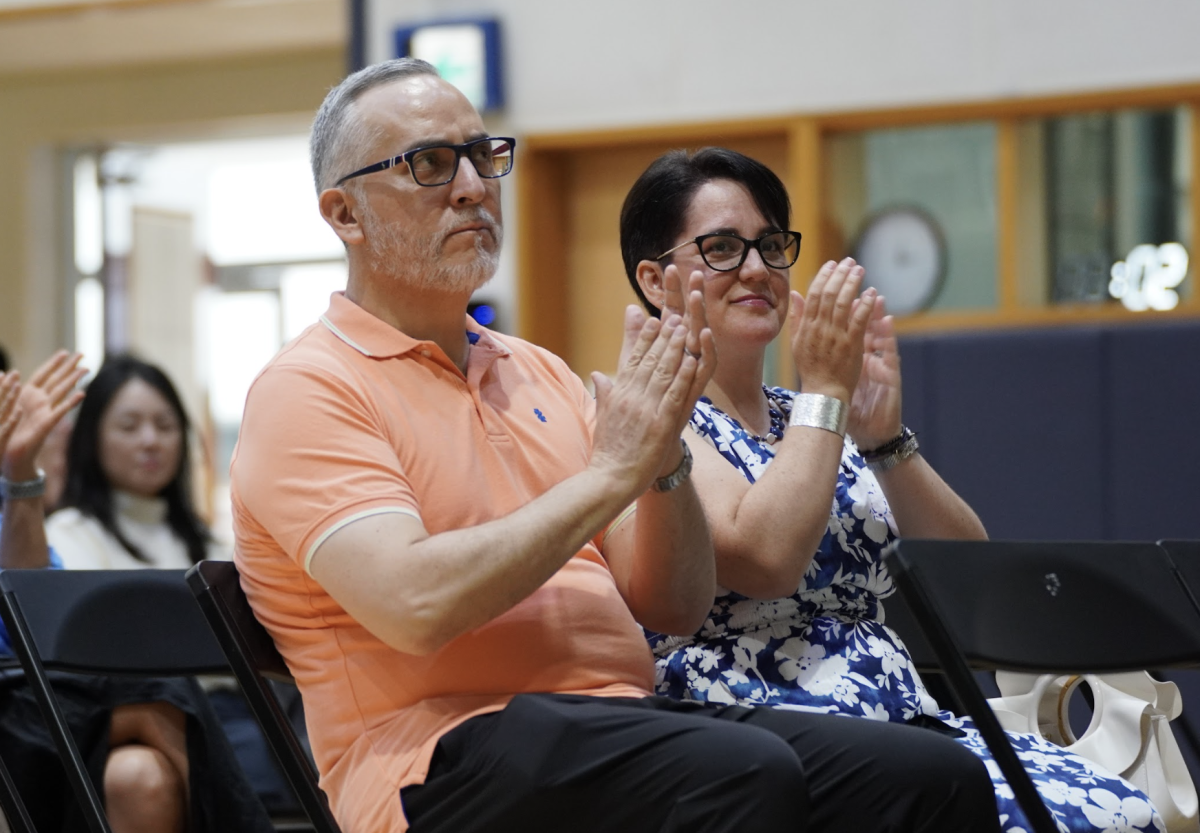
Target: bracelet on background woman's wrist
{"points": [[23, 489]]}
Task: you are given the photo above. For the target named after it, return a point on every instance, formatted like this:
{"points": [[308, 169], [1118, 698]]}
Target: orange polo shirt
{"points": [[355, 418]]}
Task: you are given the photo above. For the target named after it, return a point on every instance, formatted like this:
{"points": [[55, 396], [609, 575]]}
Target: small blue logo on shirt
{"points": [[540, 415]]}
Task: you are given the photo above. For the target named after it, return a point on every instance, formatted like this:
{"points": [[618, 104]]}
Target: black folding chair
{"points": [[137, 622], [1070, 608], [15, 813], [1185, 555], [252, 655], [11, 803], [899, 617]]}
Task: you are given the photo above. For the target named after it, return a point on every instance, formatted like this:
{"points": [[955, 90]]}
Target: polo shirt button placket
{"points": [[493, 425], [483, 357]]}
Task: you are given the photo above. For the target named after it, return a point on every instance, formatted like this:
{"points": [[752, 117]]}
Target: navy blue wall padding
{"points": [[1086, 433], [1153, 400], [1018, 423], [1020, 431]]}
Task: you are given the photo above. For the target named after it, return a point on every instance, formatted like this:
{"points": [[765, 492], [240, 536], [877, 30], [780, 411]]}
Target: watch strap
{"points": [[894, 452], [675, 478], [23, 489]]}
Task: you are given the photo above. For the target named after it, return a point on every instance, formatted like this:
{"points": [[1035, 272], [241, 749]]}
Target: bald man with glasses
{"points": [[420, 507]]}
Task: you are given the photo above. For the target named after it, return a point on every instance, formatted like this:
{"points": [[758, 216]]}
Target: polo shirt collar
{"points": [[377, 339]]}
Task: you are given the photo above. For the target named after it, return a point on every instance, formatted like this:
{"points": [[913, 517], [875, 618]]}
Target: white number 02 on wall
{"points": [[1147, 277]]}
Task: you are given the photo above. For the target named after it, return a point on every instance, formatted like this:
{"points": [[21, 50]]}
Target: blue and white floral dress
{"points": [[826, 648]]}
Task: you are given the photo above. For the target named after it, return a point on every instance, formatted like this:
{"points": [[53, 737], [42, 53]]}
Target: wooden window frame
{"points": [[542, 303]]}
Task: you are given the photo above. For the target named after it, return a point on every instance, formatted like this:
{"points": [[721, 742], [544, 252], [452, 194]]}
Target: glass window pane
{"points": [[89, 219], [1113, 181], [1079, 178], [918, 207], [89, 322]]}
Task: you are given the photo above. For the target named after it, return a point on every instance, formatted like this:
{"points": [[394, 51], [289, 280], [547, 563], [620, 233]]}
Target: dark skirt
{"points": [[221, 799]]}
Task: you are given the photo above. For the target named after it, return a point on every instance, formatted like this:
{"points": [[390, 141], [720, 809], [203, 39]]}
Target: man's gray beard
{"points": [[418, 263]]}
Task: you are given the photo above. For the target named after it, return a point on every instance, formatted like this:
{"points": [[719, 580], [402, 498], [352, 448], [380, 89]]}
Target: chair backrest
{"points": [[1185, 555], [252, 654], [138, 622], [1042, 607], [899, 617], [1057, 606], [141, 622]]}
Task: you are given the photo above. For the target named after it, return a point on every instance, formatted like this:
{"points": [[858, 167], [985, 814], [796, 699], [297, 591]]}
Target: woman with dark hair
{"points": [[153, 748], [127, 502], [803, 490]]}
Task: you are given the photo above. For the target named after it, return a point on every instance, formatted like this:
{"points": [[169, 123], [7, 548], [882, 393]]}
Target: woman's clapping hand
{"points": [[876, 405], [34, 410], [829, 328]]}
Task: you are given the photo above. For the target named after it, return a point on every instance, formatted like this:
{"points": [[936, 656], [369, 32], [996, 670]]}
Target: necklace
{"points": [[778, 424], [778, 420]]}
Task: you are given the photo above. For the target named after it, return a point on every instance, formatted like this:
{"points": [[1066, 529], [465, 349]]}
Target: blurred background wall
{"points": [[997, 159], [95, 76], [574, 65]]}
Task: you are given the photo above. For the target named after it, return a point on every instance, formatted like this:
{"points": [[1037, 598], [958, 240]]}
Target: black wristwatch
{"points": [[893, 452]]}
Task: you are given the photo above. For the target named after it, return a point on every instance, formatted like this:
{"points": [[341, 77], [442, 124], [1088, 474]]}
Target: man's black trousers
{"points": [[558, 762]]}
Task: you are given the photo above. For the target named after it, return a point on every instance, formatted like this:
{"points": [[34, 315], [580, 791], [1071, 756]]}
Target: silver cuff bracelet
{"points": [[815, 410]]}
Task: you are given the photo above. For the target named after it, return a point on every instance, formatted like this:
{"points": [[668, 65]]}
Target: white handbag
{"points": [[1129, 734]]}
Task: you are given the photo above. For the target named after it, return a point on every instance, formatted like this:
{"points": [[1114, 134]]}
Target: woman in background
{"points": [[128, 502], [128, 505], [152, 747]]}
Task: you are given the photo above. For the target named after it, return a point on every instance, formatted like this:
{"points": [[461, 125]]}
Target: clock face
{"points": [[904, 253]]}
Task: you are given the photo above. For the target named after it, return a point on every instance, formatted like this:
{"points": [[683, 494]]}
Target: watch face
{"points": [[904, 253]]}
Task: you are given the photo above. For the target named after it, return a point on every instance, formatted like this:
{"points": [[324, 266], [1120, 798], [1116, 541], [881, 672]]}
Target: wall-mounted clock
{"points": [[904, 252]]}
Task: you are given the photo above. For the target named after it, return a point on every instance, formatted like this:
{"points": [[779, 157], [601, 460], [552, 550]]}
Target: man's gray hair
{"points": [[337, 130]]}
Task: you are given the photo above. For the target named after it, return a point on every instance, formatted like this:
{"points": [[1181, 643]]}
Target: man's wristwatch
{"points": [[675, 478], [23, 489]]}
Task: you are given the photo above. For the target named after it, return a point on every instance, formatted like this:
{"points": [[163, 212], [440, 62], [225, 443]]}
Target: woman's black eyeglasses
{"points": [[724, 252], [437, 165]]}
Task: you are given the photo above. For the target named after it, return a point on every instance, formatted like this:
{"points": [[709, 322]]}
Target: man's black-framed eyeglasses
{"points": [[436, 165], [724, 251]]}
